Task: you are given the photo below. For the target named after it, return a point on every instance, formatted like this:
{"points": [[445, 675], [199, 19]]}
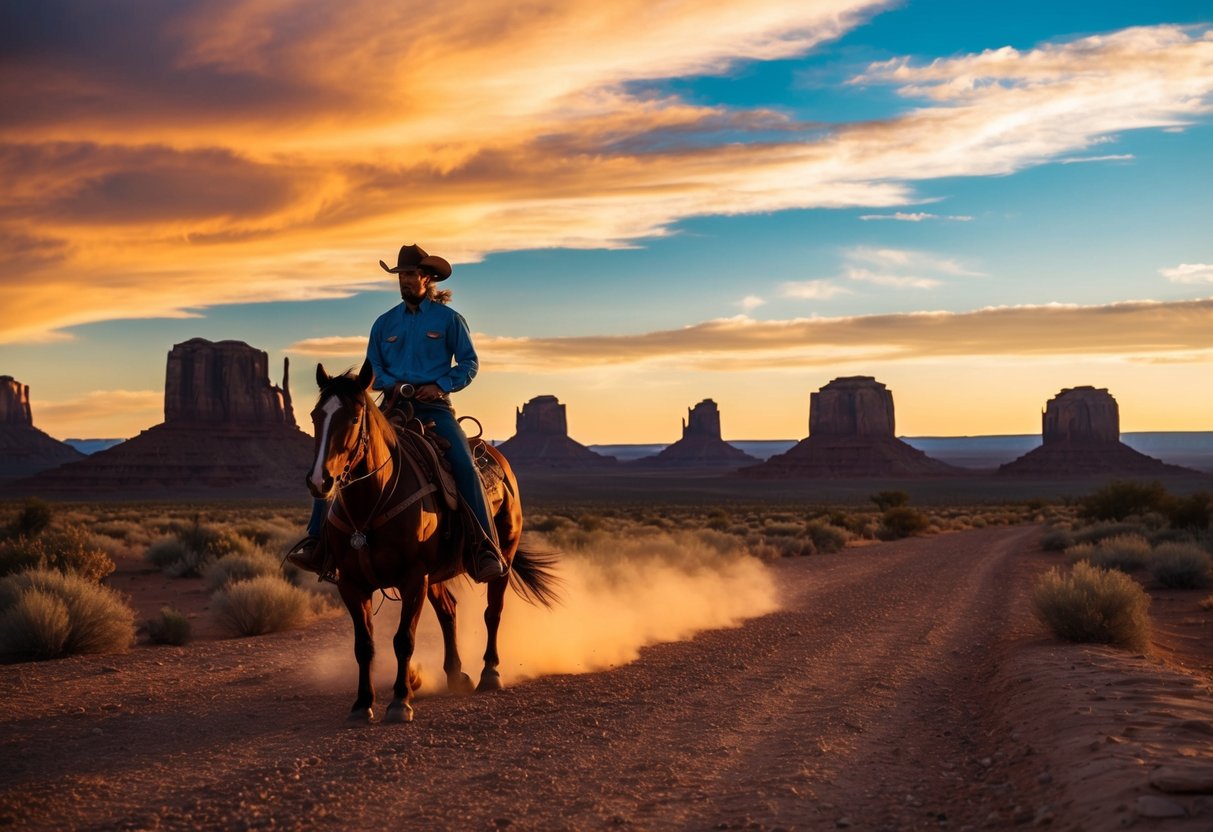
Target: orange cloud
{"points": [[1137, 330], [186, 156]]}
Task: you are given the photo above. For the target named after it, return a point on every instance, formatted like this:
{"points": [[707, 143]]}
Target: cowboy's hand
{"points": [[429, 393]]}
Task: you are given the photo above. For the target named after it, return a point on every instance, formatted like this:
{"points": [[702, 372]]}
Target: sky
{"points": [[646, 204]]}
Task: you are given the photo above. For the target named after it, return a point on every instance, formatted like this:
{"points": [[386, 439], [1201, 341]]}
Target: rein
{"points": [[379, 514]]}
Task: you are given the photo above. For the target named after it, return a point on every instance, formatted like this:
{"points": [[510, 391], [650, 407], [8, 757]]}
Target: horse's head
{"points": [[340, 421]]}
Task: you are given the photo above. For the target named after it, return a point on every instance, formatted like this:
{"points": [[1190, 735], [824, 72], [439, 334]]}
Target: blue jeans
{"points": [[462, 466]]}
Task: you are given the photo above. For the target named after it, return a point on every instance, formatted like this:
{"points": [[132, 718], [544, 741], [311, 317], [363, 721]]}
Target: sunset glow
{"points": [[646, 205]]}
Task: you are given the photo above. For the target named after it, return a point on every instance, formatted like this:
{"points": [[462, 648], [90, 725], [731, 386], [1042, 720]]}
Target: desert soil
{"points": [[901, 686]]}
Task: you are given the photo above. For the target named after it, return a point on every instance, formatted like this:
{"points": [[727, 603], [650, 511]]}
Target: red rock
{"points": [[701, 445], [541, 439], [25, 450], [1081, 433], [851, 434], [226, 427]]}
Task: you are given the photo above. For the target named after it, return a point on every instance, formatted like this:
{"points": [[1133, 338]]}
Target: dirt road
{"points": [[870, 701]]}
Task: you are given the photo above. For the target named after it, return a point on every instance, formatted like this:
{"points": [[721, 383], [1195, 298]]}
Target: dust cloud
{"points": [[618, 593]]}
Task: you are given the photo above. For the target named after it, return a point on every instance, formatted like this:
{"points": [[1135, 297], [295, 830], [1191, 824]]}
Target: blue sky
{"points": [[737, 200]]}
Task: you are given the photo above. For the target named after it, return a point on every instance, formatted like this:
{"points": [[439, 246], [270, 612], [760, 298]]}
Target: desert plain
{"points": [[707, 668]]}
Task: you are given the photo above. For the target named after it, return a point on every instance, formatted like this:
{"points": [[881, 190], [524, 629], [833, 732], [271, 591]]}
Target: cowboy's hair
{"points": [[439, 295]]}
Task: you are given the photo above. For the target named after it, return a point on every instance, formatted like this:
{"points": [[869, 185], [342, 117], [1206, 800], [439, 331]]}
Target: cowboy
{"points": [[424, 344]]}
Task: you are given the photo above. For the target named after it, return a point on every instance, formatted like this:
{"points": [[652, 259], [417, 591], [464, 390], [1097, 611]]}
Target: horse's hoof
{"points": [[461, 684], [398, 712], [359, 716], [489, 680]]}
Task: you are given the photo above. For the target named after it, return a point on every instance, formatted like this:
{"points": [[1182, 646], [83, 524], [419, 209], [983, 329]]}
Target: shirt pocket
{"points": [[435, 345]]}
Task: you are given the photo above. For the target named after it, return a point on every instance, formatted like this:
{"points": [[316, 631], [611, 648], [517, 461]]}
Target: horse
{"points": [[404, 537]]}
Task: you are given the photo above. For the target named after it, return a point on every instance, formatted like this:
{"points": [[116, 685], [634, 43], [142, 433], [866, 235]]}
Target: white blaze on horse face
{"points": [[322, 447]]}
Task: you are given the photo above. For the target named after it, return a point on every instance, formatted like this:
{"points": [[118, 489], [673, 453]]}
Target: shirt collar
{"points": [[422, 307]]}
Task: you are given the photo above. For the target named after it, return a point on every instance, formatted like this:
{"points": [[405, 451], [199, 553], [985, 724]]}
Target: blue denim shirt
{"points": [[429, 346]]}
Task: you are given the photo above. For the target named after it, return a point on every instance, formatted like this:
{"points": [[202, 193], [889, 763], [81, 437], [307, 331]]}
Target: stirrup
{"points": [[306, 554]]}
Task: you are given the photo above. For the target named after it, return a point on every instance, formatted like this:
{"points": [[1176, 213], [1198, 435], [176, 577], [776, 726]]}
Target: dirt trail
{"points": [[871, 701]]}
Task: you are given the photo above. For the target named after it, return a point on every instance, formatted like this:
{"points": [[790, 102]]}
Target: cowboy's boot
{"points": [[487, 563], [306, 554]]}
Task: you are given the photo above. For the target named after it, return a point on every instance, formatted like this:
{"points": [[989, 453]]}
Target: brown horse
{"points": [[388, 528]]}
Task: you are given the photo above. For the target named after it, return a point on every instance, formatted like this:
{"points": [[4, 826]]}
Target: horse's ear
{"points": [[322, 378], [366, 375]]}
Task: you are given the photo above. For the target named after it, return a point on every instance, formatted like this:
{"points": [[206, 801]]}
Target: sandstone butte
{"points": [[541, 439], [225, 427], [25, 450], [1081, 432], [700, 445], [851, 435]]}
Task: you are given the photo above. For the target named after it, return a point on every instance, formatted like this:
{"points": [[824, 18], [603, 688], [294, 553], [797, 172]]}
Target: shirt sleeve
{"points": [[459, 342], [374, 353]]}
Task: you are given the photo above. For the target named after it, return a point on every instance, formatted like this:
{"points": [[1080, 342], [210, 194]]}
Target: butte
{"points": [[25, 450], [541, 439], [850, 436], [1081, 429], [700, 445], [225, 427]]}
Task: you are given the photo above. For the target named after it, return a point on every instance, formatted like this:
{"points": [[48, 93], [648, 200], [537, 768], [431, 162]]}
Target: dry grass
{"points": [[261, 605], [32, 624], [169, 627], [1093, 605], [1180, 566], [1125, 552], [69, 550]]}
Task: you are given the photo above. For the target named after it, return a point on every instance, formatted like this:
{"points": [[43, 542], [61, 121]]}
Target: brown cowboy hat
{"points": [[414, 257]]}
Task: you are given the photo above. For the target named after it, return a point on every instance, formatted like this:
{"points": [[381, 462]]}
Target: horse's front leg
{"points": [[359, 605], [444, 605], [412, 598], [490, 679]]}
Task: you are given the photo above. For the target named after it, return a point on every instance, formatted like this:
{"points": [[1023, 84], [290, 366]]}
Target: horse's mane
{"points": [[346, 386]]}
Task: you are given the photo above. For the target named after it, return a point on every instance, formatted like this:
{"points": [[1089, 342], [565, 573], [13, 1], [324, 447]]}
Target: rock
{"points": [[1081, 414], [851, 434], [1190, 780], [223, 382], [851, 406], [25, 450], [226, 426], [541, 439], [14, 402], [700, 445], [1081, 432], [1149, 806]]}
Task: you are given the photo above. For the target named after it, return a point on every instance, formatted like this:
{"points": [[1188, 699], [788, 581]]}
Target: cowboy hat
{"points": [[414, 257]]}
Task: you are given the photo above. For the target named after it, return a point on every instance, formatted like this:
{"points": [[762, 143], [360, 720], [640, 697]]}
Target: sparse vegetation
{"points": [[1121, 499], [33, 517], [1180, 566], [68, 550], [261, 605], [46, 614], [826, 537], [902, 521], [1093, 605], [886, 500], [169, 627], [234, 568], [1125, 552]]}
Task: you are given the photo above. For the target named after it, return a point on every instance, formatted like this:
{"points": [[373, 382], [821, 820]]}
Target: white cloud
{"points": [[1115, 157], [917, 216], [751, 302], [812, 290], [892, 280], [1189, 273]]}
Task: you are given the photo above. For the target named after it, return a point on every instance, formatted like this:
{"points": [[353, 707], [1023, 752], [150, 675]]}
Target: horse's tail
{"points": [[533, 576]]}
